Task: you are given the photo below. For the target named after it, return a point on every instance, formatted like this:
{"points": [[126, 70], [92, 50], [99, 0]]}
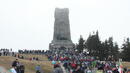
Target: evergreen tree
{"points": [[126, 50], [80, 45], [110, 43], [88, 44], [105, 49], [115, 51], [93, 44], [112, 49]]}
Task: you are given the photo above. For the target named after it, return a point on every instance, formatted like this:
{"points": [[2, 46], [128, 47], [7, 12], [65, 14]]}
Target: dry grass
{"points": [[126, 64], [41, 57], [29, 65]]}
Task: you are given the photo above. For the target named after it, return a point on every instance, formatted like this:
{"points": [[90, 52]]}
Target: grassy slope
{"points": [[126, 64], [29, 65]]}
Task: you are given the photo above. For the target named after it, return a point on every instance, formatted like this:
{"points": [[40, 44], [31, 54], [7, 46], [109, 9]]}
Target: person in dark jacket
{"points": [[15, 63], [22, 68]]}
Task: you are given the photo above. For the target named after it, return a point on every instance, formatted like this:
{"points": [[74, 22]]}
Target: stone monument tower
{"points": [[62, 35]]}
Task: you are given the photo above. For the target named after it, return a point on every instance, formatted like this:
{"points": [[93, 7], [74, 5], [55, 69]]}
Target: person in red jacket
{"points": [[73, 65]]}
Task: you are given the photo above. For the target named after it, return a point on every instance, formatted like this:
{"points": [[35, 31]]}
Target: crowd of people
{"points": [[21, 56], [75, 62], [25, 51], [6, 52], [17, 67], [71, 60]]}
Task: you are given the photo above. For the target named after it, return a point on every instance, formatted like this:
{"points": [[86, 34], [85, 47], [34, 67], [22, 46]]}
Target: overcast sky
{"points": [[29, 23]]}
